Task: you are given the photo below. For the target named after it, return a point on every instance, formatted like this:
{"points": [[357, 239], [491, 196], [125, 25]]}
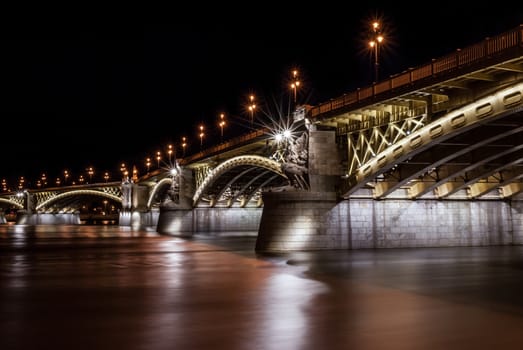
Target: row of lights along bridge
{"points": [[158, 160]]}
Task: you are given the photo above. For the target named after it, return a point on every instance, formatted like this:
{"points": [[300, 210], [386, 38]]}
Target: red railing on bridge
{"points": [[462, 58]]}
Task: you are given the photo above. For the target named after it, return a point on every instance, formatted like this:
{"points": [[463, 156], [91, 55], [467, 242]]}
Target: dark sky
{"points": [[89, 94]]}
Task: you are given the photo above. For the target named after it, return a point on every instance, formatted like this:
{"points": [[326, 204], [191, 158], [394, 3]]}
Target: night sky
{"points": [[81, 95]]}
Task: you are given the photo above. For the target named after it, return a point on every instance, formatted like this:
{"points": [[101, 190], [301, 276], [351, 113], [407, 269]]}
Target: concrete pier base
{"points": [[313, 221], [139, 220], [176, 222], [47, 219], [186, 222], [297, 220]]}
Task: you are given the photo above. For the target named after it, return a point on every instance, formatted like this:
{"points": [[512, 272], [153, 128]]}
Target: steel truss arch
{"points": [[501, 104], [57, 197], [243, 160]]}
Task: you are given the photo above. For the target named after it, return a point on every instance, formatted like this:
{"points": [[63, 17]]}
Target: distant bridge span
{"points": [[383, 166]]}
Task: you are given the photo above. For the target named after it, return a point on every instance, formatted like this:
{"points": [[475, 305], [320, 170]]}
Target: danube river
{"points": [[107, 287]]}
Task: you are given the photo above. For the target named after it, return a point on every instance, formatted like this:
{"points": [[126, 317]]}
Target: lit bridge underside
{"points": [[235, 175], [67, 199], [448, 129], [231, 174]]}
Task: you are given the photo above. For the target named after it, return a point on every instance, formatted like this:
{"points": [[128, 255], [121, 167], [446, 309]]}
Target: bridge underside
{"points": [[484, 162], [241, 187]]}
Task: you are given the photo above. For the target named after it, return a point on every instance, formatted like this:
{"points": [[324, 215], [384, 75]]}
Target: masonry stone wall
{"points": [[426, 223], [180, 222], [306, 223], [226, 219]]}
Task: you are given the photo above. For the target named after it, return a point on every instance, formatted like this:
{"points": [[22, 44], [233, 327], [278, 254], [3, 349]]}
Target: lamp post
{"points": [[295, 84], [148, 164], [170, 151], [184, 144], [222, 124], [158, 157], [201, 136], [252, 107], [374, 44], [90, 171], [123, 169]]}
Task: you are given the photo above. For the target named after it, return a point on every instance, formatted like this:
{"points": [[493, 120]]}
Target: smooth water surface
{"points": [[108, 287]]}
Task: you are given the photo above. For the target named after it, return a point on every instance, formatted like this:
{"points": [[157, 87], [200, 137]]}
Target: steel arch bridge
{"points": [[67, 199], [448, 129], [477, 147], [246, 176], [231, 178], [444, 130]]}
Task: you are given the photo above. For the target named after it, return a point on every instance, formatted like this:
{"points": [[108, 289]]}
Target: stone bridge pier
{"points": [[135, 212], [299, 219], [29, 215], [317, 219]]}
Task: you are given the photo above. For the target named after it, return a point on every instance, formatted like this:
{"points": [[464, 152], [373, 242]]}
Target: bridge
{"points": [[431, 156]]}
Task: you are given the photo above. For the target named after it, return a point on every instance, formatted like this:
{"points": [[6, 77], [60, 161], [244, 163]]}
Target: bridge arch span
{"points": [[268, 172], [11, 203], [76, 193], [158, 189], [480, 113]]}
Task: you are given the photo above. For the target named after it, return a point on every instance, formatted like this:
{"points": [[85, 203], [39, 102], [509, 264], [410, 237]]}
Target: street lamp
{"points": [[123, 169], [106, 176], [170, 151], [252, 107], [90, 171], [148, 164], [222, 124], [184, 144], [21, 182], [158, 157], [374, 43], [295, 84], [201, 136]]}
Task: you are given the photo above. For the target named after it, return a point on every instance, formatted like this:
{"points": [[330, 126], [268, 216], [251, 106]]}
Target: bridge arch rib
{"points": [[240, 176], [462, 149], [12, 203], [76, 193], [157, 190]]}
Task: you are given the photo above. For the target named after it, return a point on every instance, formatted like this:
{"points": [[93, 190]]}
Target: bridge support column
{"points": [[176, 222], [297, 220], [134, 207], [27, 218]]}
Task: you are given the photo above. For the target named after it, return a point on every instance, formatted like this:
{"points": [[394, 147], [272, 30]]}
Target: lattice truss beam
{"points": [[201, 173], [473, 151], [365, 144], [12, 201], [238, 181], [70, 201]]}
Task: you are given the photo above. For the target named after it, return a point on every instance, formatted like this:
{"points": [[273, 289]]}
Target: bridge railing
{"points": [[483, 52], [239, 140]]}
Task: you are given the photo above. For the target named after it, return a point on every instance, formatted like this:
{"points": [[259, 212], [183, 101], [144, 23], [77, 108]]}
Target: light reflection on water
{"points": [[112, 285], [72, 231]]}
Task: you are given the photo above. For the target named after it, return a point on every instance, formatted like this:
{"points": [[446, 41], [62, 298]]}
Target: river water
{"points": [[108, 287]]}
